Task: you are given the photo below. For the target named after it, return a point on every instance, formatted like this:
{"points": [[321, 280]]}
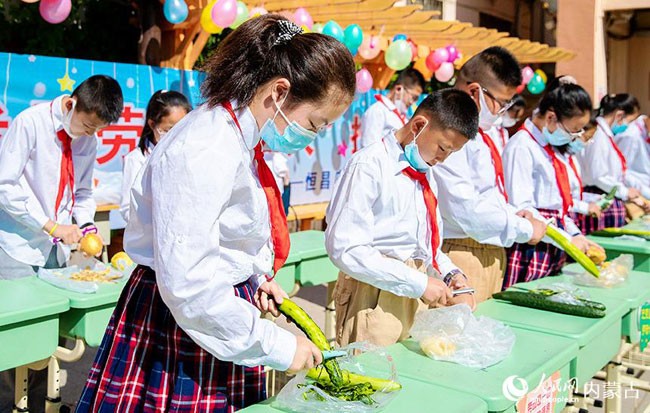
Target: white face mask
{"points": [[399, 103], [67, 120], [507, 121], [486, 119]]}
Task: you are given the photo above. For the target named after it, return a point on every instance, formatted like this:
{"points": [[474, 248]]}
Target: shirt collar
{"points": [[57, 113], [389, 103], [395, 153], [603, 124], [537, 134], [248, 124]]}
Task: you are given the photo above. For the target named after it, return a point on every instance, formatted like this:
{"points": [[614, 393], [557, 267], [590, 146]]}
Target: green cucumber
{"points": [[540, 302]]}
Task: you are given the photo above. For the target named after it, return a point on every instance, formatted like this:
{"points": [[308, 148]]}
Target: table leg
{"points": [[330, 313], [21, 390], [305, 224], [613, 404], [53, 399]]}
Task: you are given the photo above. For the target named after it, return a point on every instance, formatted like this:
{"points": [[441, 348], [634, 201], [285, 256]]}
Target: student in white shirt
{"points": [[537, 178], [46, 170], [389, 112], [208, 231], [499, 132], [384, 228], [634, 143], [164, 110], [479, 223], [604, 165]]}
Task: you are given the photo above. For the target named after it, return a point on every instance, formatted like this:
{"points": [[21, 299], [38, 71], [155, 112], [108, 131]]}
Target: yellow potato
{"points": [[91, 244], [437, 346]]}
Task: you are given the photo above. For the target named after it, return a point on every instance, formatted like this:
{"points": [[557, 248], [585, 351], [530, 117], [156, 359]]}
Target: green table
{"points": [[639, 249], [598, 339], [315, 267], [286, 276], [415, 396], [534, 356], [29, 322], [89, 314]]}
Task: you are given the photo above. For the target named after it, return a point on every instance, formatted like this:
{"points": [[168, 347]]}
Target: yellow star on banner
{"points": [[66, 82]]}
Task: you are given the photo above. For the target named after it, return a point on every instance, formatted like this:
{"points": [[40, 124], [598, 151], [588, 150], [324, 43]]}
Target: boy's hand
{"points": [[68, 234], [436, 292]]}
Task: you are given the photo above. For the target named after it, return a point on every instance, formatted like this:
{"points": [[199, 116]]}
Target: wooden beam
{"points": [[609, 5]]}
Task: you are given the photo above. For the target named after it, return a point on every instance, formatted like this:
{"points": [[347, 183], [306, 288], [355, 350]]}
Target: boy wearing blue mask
{"points": [[384, 228]]}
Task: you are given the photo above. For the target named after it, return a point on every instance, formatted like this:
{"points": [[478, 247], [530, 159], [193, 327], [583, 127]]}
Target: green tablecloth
{"points": [[639, 249]]}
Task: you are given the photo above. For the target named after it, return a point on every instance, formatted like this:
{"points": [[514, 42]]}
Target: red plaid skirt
{"points": [[612, 217], [147, 363], [531, 262]]}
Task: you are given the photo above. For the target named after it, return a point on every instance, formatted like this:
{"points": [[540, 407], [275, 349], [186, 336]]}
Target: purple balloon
{"points": [[440, 55], [302, 18], [453, 53], [224, 12], [55, 11], [526, 74], [445, 72], [364, 81]]}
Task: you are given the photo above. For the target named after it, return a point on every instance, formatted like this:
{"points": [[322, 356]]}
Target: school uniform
{"points": [[604, 167], [478, 221], [133, 163], [185, 335], [499, 136], [383, 234], [537, 180], [44, 174], [634, 143], [379, 120]]}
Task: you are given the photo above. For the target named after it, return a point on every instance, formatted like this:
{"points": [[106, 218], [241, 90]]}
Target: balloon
{"points": [[318, 28], [364, 80], [206, 19], [224, 12], [440, 55], [30, 1], [175, 11], [258, 11], [242, 15], [399, 37], [55, 11], [398, 55], [302, 18], [453, 53], [369, 48], [445, 72], [431, 63], [414, 49], [353, 37], [520, 88], [536, 84], [526, 74], [541, 74], [333, 29]]}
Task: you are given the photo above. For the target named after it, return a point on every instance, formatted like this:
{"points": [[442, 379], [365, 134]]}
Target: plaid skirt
{"points": [[531, 262], [612, 217], [147, 363]]}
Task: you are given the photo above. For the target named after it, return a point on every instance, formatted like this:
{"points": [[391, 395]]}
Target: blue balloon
{"points": [[175, 11], [399, 37], [353, 37], [333, 29]]}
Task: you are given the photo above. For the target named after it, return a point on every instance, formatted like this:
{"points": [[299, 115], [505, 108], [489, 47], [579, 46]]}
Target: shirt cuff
{"points": [[524, 230], [35, 222], [418, 282], [621, 193], [581, 207], [646, 193], [283, 351]]}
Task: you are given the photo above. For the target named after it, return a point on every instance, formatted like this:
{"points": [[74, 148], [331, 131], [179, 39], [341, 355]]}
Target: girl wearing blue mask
{"points": [[604, 166], [537, 179], [208, 231]]}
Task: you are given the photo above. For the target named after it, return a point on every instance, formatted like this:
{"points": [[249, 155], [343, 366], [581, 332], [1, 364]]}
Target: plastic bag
{"points": [[455, 334], [62, 277], [564, 293], [301, 396], [612, 273]]}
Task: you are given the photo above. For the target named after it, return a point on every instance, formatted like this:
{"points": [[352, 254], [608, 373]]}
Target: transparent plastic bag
{"points": [[454, 334], [300, 395], [564, 293], [612, 273], [62, 277]]}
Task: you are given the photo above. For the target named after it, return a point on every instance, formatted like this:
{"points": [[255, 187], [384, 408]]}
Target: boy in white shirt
{"points": [[389, 112], [46, 172], [384, 230]]}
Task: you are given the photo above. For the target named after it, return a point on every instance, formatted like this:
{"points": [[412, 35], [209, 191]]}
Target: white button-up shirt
{"points": [[580, 204], [635, 145], [499, 136], [530, 176], [133, 162], [200, 219], [30, 169], [470, 202], [378, 219], [379, 120]]}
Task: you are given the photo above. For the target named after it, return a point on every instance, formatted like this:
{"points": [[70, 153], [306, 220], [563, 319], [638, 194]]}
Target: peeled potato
{"points": [[91, 244], [596, 255], [437, 346], [121, 261]]}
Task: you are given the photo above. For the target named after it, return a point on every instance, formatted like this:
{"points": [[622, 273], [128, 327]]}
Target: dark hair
{"points": [[451, 109], [566, 100], [621, 101], [158, 107], [501, 66], [410, 78], [101, 95], [255, 53], [518, 101]]}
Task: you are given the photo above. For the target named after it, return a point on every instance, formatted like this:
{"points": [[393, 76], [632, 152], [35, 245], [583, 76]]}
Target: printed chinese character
{"points": [[631, 392], [592, 390], [310, 181], [325, 181], [125, 133], [612, 390]]}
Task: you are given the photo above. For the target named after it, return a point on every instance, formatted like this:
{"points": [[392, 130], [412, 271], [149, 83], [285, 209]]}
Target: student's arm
{"points": [[635, 180], [485, 217], [372, 125], [594, 159], [84, 166], [131, 169], [190, 190], [349, 235], [15, 149]]}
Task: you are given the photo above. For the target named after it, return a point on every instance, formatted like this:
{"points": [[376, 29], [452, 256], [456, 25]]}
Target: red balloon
{"points": [[432, 65], [520, 88]]}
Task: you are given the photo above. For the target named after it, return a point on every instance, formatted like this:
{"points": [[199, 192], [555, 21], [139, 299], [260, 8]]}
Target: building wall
{"points": [[628, 67]]}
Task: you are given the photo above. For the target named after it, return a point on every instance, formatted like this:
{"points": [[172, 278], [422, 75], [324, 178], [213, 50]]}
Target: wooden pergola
{"points": [[183, 43]]}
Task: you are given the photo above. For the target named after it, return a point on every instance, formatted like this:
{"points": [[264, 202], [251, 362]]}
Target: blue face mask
{"points": [[619, 128], [576, 146], [558, 138], [294, 138], [412, 154]]}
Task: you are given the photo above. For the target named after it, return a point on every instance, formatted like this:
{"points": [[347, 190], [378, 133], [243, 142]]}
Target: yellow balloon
{"points": [[541, 74], [206, 19]]}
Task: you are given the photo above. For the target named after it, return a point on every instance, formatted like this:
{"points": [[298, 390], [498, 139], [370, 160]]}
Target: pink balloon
{"points": [[414, 49], [258, 11], [440, 55], [364, 81], [526, 74], [369, 48], [55, 11], [432, 65], [224, 12], [302, 18], [453, 53], [445, 72]]}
